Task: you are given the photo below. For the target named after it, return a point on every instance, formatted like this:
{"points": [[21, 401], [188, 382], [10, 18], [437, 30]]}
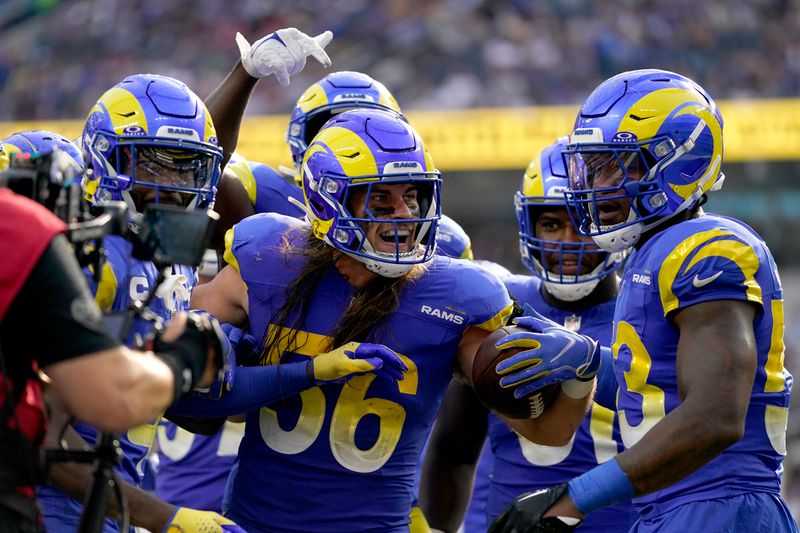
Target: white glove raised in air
{"points": [[282, 53]]}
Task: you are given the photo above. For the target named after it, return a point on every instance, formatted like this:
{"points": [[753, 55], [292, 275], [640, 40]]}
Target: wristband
{"points": [[603, 485], [186, 356], [577, 388]]}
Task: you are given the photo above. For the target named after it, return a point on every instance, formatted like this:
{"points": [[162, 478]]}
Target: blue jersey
{"points": [[521, 466], [193, 469], [123, 280], [703, 259], [182, 481], [344, 457], [269, 192]]}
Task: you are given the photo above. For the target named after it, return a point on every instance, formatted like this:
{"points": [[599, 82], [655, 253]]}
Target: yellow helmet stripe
{"points": [[123, 109], [532, 183], [350, 150], [647, 128], [312, 98], [715, 128]]}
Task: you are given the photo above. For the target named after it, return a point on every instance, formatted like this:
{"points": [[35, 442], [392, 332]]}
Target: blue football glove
{"points": [[245, 346], [353, 359], [554, 355], [282, 53], [524, 514]]}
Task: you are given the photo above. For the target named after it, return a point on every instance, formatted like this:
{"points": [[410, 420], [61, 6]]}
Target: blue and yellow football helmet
{"points": [[39, 141], [151, 131], [336, 92], [350, 176], [543, 186], [645, 141]]}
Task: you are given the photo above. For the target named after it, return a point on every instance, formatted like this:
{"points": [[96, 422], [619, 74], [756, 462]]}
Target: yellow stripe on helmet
{"points": [[123, 109], [5, 154], [350, 150], [312, 98], [210, 129], [715, 128], [532, 181], [654, 108]]}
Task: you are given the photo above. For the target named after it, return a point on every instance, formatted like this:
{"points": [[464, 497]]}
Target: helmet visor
{"points": [[603, 169], [172, 168]]}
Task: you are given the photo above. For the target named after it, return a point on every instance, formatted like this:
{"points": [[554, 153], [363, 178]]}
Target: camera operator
{"points": [[49, 320]]}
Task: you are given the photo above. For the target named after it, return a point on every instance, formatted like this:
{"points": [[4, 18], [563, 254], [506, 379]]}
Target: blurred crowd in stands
{"points": [[57, 56]]}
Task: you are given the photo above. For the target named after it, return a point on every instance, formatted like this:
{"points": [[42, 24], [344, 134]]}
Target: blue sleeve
{"points": [[255, 387], [712, 265], [606, 392]]}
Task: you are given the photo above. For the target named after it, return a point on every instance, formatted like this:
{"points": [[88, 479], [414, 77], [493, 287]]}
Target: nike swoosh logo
{"points": [[569, 345], [698, 282]]}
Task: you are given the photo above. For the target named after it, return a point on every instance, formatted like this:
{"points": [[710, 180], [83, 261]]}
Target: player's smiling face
{"points": [[395, 202], [554, 224]]}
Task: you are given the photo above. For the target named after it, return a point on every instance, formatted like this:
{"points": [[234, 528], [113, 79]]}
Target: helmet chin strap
{"points": [[620, 239], [571, 292], [385, 269]]}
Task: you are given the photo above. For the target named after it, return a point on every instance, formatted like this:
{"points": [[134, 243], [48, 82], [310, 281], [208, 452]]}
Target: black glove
{"points": [[524, 514], [187, 355]]}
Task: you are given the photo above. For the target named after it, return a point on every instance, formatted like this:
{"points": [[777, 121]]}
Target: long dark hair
{"points": [[366, 310]]}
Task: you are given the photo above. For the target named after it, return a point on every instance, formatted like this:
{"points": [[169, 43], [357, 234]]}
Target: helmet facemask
{"points": [[612, 193], [155, 170], [570, 270], [375, 228]]}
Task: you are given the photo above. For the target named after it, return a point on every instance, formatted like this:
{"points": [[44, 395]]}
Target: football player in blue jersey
{"points": [[149, 139], [360, 273], [183, 454], [573, 283], [698, 327]]}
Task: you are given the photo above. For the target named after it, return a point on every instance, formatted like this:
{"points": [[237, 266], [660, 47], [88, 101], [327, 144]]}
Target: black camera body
{"points": [[53, 180]]}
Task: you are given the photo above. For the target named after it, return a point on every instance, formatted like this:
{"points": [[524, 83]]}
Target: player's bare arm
{"points": [[716, 367], [455, 445], [225, 297]]}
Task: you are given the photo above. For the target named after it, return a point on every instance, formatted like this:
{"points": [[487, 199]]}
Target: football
{"points": [[487, 383]]}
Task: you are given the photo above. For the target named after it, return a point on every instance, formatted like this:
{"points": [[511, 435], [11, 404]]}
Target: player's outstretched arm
{"points": [[454, 448], [282, 54]]}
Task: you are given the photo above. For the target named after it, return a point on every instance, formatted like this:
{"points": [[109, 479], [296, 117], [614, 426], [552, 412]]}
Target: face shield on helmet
{"points": [[570, 266], [150, 139], [333, 94], [647, 145], [372, 192]]}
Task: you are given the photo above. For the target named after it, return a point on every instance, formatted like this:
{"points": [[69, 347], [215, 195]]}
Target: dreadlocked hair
{"points": [[366, 310]]}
